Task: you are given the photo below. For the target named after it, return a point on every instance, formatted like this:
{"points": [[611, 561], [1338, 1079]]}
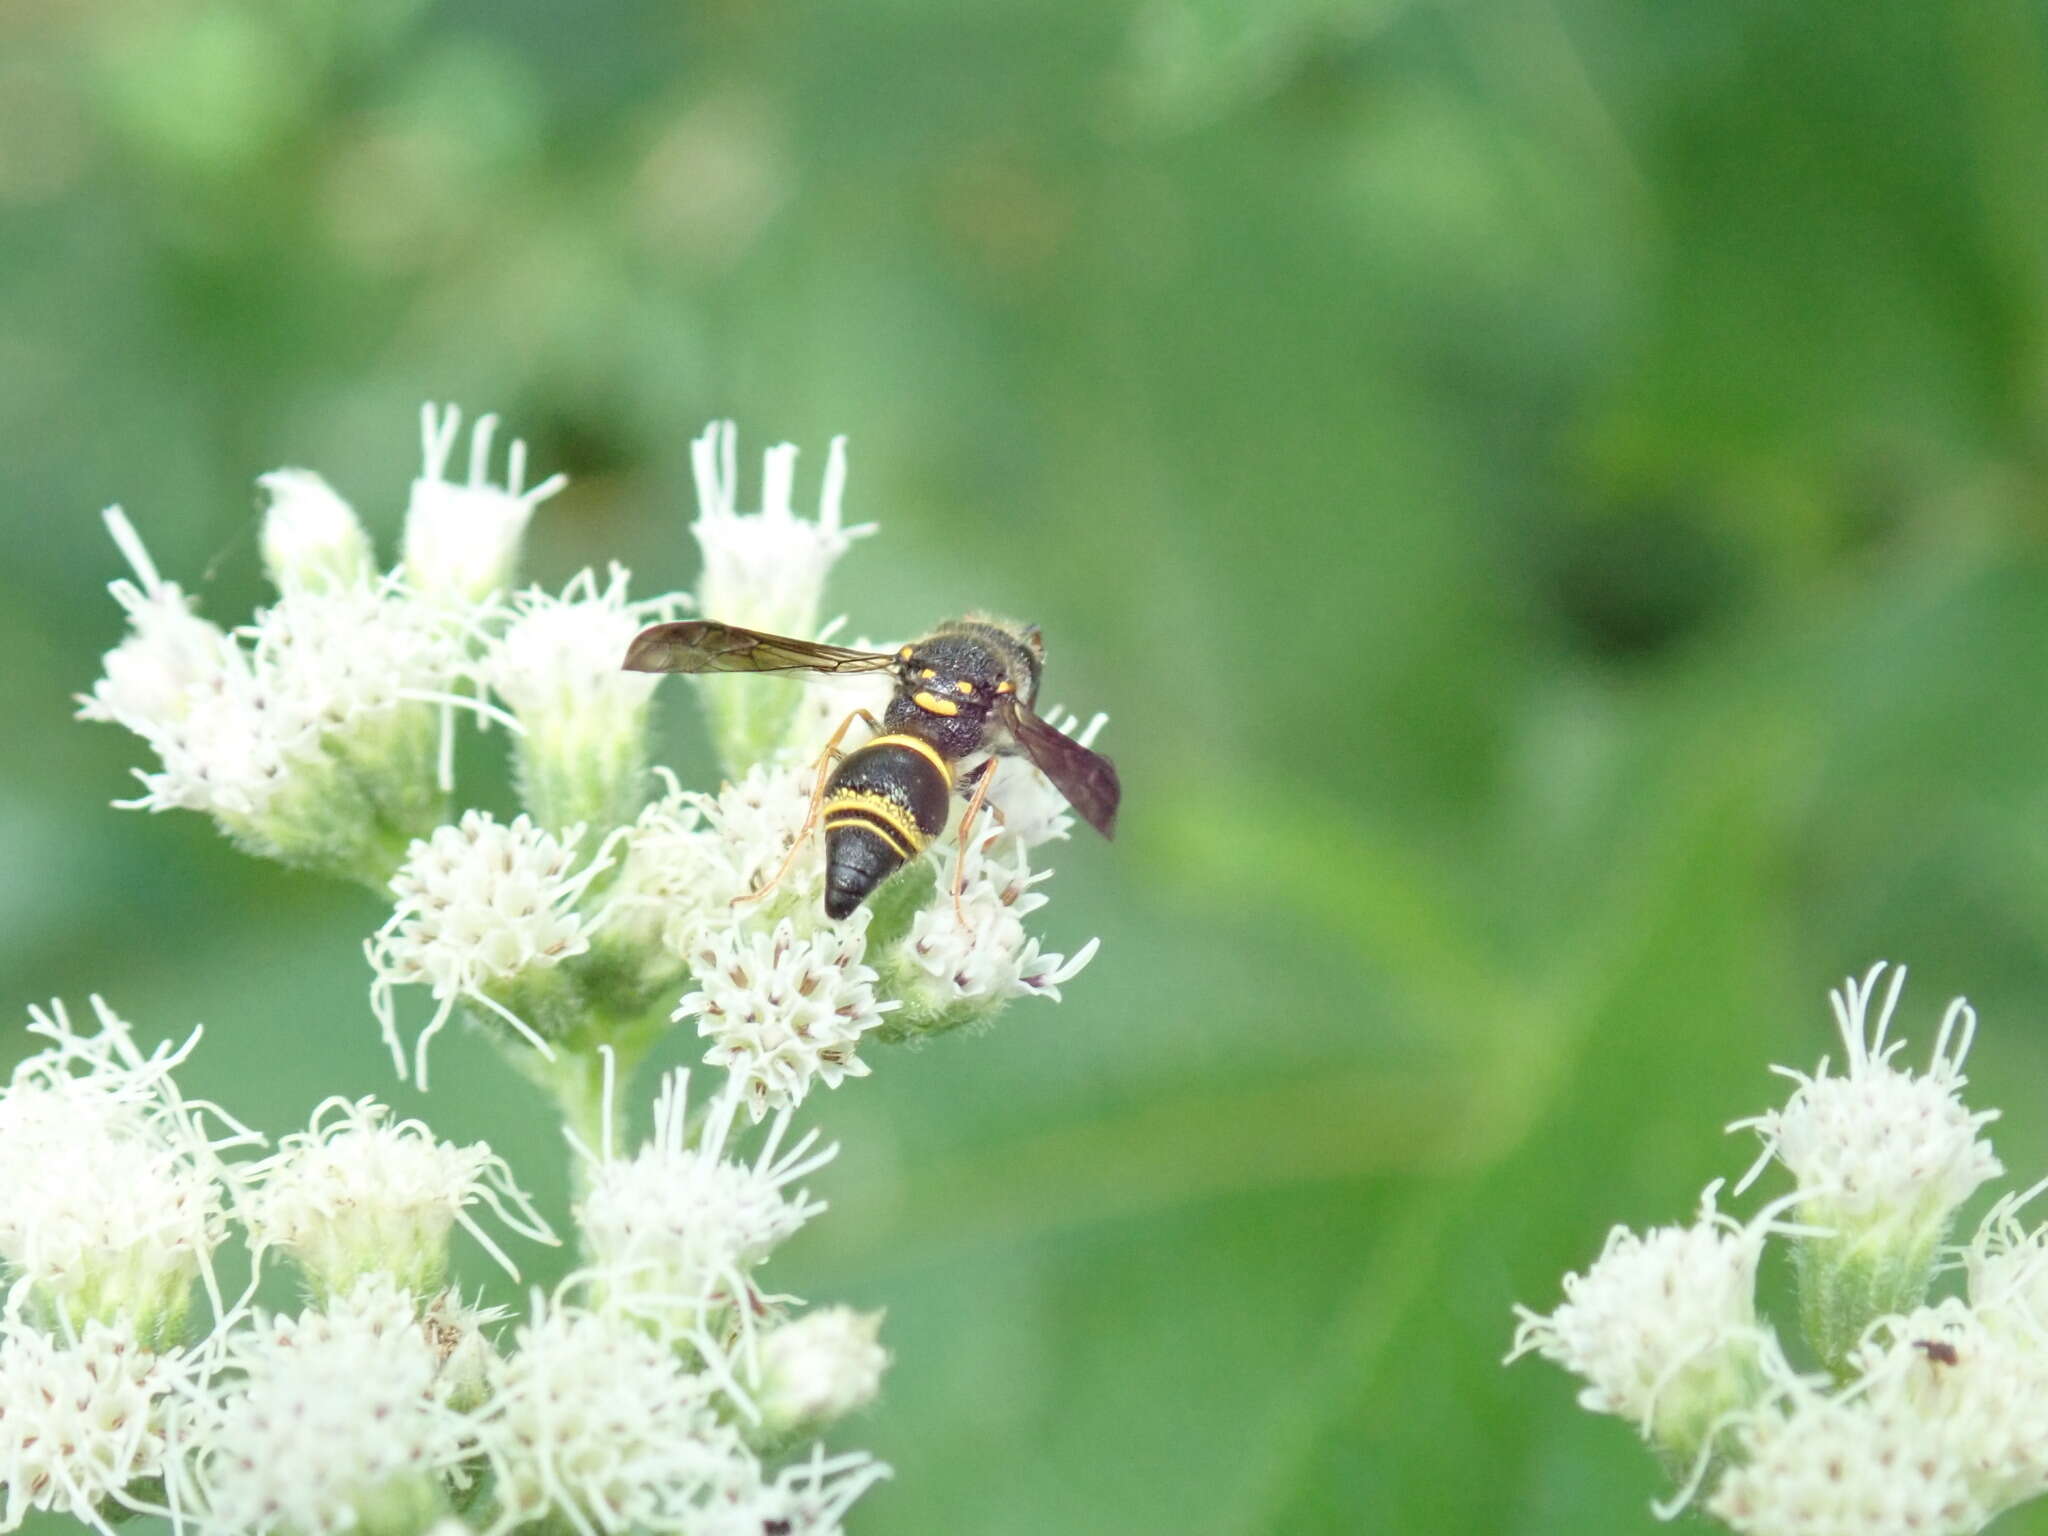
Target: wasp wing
{"points": [[1084, 776], [698, 645]]}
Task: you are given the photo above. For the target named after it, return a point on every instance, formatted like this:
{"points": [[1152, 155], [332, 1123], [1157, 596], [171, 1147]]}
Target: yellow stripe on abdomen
{"points": [[898, 825], [919, 745]]}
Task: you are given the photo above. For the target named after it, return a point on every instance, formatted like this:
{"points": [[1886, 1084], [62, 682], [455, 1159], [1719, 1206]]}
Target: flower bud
{"points": [[312, 539], [462, 540], [674, 1232], [819, 1368], [582, 754], [115, 1189], [1663, 1328], [763, 570], [357, 1195], [1883, 1159]]}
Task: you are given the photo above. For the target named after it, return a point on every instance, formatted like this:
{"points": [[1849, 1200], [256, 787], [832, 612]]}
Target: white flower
{"points": [[781, 1010], [1979, 1390], [821, 1367], [326, 1422], [955, 966], [309, 735], [114, 1181], [1024, 807], [810, 1498], [462, 540], [764, 571], [2007, 1265], [596, 1422], [1943, 1424], [80, 1420], [1882, 1154], [1845, 1467], [752, 822], [150, 678], [358, 1194], [690, 856], [674, 1232], [583, 757], [1663, 1327], [1883, 1158], [480, 906], [312, 539]]}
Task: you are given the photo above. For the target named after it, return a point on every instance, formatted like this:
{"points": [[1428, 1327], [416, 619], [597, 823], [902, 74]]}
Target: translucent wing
{"points": [[1085, 777], [698, 645]]}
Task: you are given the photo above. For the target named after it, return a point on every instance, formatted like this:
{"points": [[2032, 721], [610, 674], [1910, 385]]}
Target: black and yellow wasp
{"points": [[967, 687]]}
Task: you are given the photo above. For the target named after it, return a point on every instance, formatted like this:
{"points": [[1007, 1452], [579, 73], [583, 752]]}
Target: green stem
{"points": [[575, 1081]]}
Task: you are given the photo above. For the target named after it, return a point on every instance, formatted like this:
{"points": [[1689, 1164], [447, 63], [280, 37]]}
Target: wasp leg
{"points": [[983, 777], [821, 769], [970, 781]]}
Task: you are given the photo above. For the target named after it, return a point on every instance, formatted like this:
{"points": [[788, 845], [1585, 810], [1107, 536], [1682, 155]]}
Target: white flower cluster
{"points": [[1929, 1414], [322, 734], [662, 1387], [311, 734], [117, 1194], [641, 1396]]}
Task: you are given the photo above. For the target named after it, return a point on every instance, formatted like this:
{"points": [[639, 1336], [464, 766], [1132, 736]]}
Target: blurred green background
{"points": [[1551, 495]]}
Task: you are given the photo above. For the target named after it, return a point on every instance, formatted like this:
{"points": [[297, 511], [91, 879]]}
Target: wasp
{"points": [[967, 687]]}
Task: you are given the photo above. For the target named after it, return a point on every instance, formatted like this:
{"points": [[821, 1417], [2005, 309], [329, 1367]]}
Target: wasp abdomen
{"points": [[882, 806]]}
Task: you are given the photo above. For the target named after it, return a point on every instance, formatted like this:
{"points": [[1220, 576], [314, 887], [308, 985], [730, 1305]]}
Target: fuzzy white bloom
{"points": [[953, 967], [326, 1422], [359, 1194], [309, 735], [171, 654], [596, 1422], [820, 1367], [1845, 1467], [810, 1498], [766, 571], [751, 824], [1943, 1424], [583, 757], [312, 539], [2007, 1265], [80, 1420], [783, 1011], [481, 906], [1882, 1153], [668, 862], [115, 1200], [1883, 1158], [462, 539], [1663, 1327], [1978, 1389], [674, 1232], [690, 856]]}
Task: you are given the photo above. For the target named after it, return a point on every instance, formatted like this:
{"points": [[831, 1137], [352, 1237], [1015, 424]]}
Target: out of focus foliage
{"points": [[1550, 492]]}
